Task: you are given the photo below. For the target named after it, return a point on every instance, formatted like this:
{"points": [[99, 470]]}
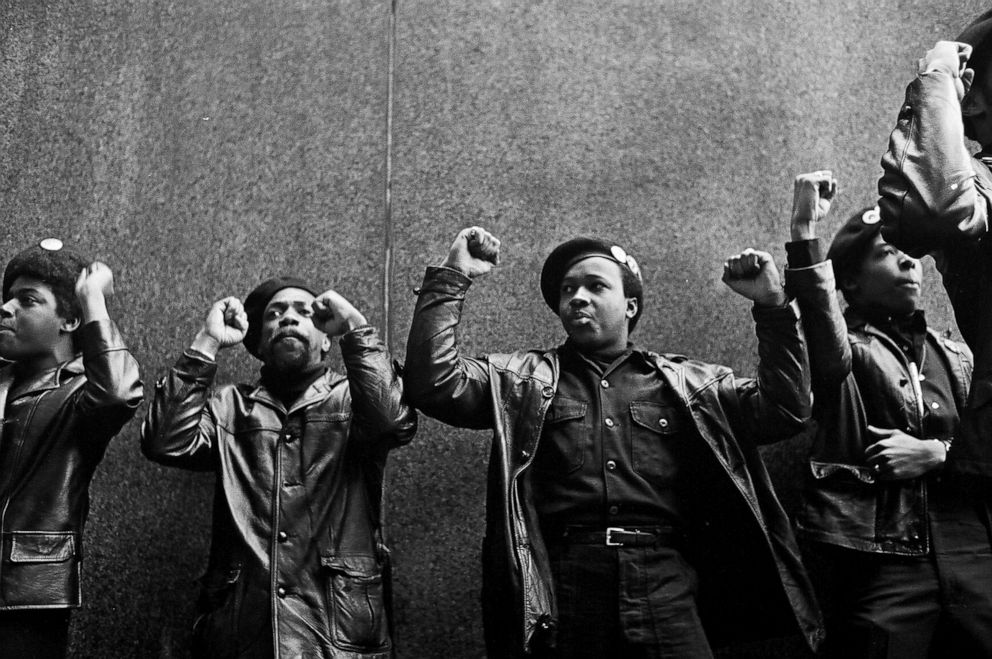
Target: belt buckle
{"points": [[609, 536]]}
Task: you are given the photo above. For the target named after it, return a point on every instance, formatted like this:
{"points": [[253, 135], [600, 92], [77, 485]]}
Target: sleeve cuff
{"points": [[803, 253]]}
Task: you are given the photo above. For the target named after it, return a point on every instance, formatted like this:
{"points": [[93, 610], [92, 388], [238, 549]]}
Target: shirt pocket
{"points": [[356, 602], [653, 426], [565, 437]]}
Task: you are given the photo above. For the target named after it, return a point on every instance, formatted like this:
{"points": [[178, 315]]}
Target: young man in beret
{"points": [[935, 199], [628, 511], [904, 547], [297, 563], [68, 385]]}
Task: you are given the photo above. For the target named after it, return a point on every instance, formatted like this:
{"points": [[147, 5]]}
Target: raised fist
{"points": [[474, 252], [753, 275], [334, 315], [811, 198]]}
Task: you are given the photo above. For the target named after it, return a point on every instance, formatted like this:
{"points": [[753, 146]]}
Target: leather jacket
{"points": [[297, 566], [934, 199], [860, 377], [54, 434], [751, 578]]}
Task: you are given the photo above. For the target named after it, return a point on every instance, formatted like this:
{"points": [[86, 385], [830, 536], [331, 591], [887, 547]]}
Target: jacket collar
{"points": [[51, 379], [316, 392]]}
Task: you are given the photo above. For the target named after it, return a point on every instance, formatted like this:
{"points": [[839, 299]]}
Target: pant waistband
{"points": [[620, 536]]}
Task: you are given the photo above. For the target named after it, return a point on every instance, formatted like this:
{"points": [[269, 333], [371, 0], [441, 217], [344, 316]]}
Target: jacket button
{"points": [[614, 510], [281, 536], [609, 422], [604, 384], [289, 437], [281, 592], [611, 465], [524, 454], [548, 392], [663, 423]]}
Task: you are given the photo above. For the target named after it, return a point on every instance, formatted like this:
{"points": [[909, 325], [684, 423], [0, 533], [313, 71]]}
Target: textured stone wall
{"points": [[199, 147]]}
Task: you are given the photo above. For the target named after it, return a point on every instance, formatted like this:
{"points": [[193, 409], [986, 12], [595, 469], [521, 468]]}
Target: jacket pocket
{"points": [[42, 547], [356, 602], [215, 629], [653, 426], [822, 470], [565, 438]]}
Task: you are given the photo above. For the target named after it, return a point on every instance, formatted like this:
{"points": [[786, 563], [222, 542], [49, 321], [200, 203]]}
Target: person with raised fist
{"points": [[899, 545], [935, 198], [298, 566], [67, 385], [628, 511]]}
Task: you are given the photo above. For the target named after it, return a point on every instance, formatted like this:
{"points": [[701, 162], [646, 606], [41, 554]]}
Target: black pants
{"points": [[625, 603], [882, 606], [38, 634]]}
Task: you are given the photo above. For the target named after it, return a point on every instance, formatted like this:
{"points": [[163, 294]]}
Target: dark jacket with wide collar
{"points": [[54, 433], [861, 377], [297, 566], [752, 583]]}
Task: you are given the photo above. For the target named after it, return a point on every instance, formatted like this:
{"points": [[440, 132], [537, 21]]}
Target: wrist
{"points": [[772, 300], [93, 307], [205, 344], [802, 230]]}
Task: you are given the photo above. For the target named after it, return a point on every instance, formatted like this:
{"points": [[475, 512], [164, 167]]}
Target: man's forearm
{"points": [[437, 379], [376, 388], [177, 429], [927, 193]]}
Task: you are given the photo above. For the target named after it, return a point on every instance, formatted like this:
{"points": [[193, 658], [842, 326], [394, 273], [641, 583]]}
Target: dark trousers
{"points": [[625, 603], [896, 607], [38, 634]]}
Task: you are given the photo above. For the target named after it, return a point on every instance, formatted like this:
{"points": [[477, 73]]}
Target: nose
{"points": [[289, 317], [579, 298], [907, 262], [7, 310]]}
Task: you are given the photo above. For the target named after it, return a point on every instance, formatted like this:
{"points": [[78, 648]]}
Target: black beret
{"points": [[977, 36], [50, 263], [570, 252], [257, 300], [850, 245]]}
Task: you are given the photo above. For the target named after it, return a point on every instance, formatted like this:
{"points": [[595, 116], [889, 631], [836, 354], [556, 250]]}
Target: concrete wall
{"points": [[199, 147]]}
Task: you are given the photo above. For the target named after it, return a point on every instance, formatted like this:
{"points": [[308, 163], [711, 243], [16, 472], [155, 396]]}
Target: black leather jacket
{"points": [[752, 583], [861, 377], [935, 199], [54, 434], [297, 567]]}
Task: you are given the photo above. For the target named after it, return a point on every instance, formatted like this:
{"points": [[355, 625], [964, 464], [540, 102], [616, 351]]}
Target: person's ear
{"points": [[631, 307], [69, 325]]}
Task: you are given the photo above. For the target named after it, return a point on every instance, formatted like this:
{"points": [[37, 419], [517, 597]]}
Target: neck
{"points": [[33, 366]]}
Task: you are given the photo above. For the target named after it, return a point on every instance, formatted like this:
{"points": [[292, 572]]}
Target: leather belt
{"points": [[622, 536]]}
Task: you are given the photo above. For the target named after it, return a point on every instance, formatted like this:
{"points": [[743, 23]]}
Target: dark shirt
{"points": [[609, 450]]}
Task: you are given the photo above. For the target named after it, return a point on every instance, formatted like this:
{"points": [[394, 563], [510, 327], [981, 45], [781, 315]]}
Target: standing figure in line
{"points": [[297, 567], [935, 199], [69, 387], [628, 511], [903, 544]]}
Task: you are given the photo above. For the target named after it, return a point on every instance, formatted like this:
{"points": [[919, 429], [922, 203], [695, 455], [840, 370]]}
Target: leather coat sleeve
{"points": [[815, 291], [440, 381], [376, 389], [113, 388], [777, 404], [179, 427], [929, 193]]}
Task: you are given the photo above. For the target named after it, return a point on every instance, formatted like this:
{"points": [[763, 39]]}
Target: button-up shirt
{"points": [[609, 451]]}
